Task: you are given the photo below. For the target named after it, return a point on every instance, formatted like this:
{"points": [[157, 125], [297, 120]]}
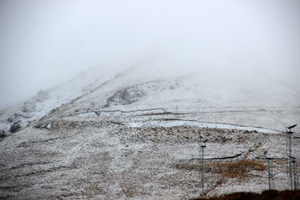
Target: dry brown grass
{"points": [[237, 169]]}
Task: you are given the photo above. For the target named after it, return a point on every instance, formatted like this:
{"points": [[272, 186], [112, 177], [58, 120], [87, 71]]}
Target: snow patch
{"points": [[172, 123]]}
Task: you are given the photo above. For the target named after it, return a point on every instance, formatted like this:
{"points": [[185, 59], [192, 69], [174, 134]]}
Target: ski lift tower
{"points": [[289, 132]]}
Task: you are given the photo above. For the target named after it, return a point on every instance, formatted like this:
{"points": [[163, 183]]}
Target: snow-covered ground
{"points": [[161, 123], [46, 101], [137, 135]]}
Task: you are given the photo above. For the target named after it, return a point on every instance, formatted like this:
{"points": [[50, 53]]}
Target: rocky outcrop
{"points": [[15, 127], [2, 134], [125, 96]]}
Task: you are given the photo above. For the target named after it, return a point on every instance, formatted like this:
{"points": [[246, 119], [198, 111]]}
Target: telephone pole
{"points": [[269, 173], [202, 178], [294, 163], [289, 132]]}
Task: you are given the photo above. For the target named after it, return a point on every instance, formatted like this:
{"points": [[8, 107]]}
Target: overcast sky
{"points": [[44, 43]]}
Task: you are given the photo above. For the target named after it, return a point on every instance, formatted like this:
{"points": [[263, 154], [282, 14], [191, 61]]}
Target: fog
{"points": [[44, 43]]}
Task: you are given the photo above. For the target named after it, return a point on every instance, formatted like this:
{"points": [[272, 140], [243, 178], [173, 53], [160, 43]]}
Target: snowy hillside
{"points": [[137, 134], [18, 117]]}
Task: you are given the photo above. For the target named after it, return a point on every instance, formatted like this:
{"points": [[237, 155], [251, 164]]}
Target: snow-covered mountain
{"points": [[136, 134], [18, 117]]}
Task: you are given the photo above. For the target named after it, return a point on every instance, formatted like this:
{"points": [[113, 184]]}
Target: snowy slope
{"points": [[244, 98], [136, 134], [46, 101]]}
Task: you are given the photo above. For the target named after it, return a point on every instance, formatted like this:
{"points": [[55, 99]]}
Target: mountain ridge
{"points": [[136, 134]]}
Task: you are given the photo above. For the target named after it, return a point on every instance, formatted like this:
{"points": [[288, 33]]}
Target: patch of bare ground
{"points": [[265, 195], [224, 170], [62, 125], [180, 134], [233, 169]]}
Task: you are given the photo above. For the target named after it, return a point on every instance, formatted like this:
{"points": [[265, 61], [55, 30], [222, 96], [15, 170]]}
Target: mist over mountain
{"points": [[44, 44], [191, 86], [136, 133], [115, 99]]}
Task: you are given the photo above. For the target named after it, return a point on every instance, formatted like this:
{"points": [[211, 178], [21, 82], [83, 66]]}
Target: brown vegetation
{"points": [[266, 195], [237, 169]]}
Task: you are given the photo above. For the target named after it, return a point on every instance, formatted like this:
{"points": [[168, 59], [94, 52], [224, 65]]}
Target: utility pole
{"points": [[269, 173], [290, 161], [290, 132], [294, 163], [202, 180]]}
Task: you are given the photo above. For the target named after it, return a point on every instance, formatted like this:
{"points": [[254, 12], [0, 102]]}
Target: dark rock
{"points": [[10, 119], [15, 127], [13, 118], [28, 107], [16, 117], [2, 134], [126, 96]]}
